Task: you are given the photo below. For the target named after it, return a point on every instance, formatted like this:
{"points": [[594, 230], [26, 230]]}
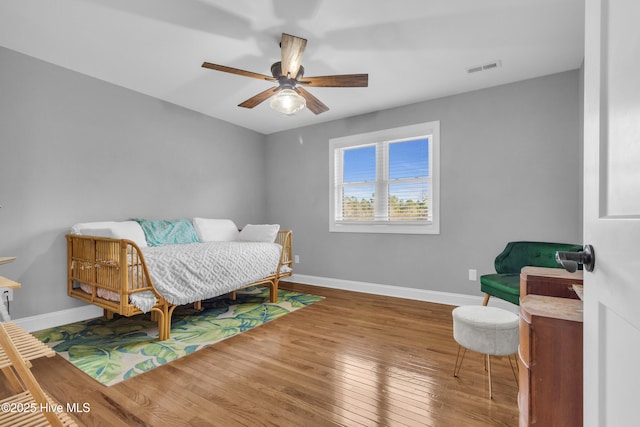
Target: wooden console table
{"points": [[550, 351], [552, 282]]}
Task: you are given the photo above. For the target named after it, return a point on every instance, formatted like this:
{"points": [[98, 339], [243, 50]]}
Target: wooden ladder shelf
{"points": [[30, 405]]}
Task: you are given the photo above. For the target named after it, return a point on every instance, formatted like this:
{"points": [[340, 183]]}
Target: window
{"points": [[386, 181]]}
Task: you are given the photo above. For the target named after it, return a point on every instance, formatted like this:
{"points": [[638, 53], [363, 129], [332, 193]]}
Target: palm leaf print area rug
{"points": [[111, 351]]}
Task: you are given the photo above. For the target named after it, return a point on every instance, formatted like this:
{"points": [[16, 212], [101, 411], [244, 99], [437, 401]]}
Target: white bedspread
{"points": [[183, 274]]}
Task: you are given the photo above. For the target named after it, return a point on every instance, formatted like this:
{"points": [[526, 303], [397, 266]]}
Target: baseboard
{"points": [[58, 318], [439, 297], [63, 317]]}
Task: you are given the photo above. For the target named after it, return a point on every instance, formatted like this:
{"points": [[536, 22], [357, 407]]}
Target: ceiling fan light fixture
{"points": [[288, 102], [289, 96]]}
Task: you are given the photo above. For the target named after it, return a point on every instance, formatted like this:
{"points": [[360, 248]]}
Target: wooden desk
{"points": [[8, 283], [550, 361], [552, 282], [4, 282]]}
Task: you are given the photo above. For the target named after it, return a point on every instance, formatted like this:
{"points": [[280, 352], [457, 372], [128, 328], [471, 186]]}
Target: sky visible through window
{"points": [[407, 159]]}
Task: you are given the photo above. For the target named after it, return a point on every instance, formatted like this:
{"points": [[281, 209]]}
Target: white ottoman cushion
{"points": [[487, 330]]}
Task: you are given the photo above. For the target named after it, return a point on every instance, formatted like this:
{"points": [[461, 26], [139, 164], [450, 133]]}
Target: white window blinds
{"points": [[386, 181], [380, 180]]}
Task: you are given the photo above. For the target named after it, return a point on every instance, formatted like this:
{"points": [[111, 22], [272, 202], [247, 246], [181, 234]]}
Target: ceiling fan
{"points": [[289, 96]]}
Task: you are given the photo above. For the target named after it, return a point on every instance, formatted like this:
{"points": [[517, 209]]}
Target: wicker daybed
{"points": [[108, 272]]}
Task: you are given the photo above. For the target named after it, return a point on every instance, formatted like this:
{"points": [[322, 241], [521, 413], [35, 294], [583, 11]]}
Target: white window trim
{"points": [[431, 129]]}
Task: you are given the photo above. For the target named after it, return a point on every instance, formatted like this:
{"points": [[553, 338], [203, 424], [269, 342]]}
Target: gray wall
{"points": [[510, 170], [76, 149]]}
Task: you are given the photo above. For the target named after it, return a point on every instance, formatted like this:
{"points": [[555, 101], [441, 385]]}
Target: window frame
{"points": [[384, 137]]}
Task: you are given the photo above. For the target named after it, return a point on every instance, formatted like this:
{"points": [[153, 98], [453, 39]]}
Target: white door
{"points": [[612, 212]]}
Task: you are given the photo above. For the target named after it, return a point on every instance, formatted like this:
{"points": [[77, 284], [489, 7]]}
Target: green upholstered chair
{"points": [[505, 284]]}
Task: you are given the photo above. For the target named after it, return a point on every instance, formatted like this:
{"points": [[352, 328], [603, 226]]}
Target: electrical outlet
{"points": [[6, 292], [473, 275], [296, 259]]}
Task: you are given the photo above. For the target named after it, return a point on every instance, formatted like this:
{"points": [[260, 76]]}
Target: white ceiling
{"points": [[413, 50]]}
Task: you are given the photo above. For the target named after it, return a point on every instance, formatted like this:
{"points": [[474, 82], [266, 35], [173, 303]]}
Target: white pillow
{"points": [[215, 230], [129, 230], [260, 233]]}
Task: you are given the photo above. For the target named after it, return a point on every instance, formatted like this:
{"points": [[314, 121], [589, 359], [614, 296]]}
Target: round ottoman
{"points": [[488, 330]]}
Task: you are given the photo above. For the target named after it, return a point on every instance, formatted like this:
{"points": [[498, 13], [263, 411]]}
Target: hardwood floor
{"points": [[352, 359]]}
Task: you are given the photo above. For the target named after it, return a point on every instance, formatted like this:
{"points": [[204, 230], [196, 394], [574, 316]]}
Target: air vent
{"points": [[489, 66]]}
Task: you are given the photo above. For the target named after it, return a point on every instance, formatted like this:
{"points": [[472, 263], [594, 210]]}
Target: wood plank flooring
{"points": [[352, 359]]}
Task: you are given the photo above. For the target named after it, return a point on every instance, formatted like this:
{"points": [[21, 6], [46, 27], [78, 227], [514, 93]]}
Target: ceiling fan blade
{"points": [[259, 98], [314, 104], [345, 80], [237, 71], [292, 50]]}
